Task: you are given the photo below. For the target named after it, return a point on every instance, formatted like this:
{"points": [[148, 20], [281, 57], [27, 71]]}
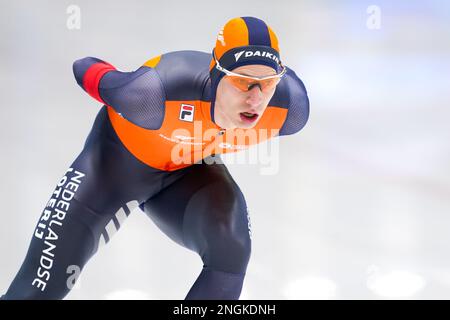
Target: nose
{"points": [[255, 95]]}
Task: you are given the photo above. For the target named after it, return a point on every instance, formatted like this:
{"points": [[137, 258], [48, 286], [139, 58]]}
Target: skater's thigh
{"points": [[200, 208]]}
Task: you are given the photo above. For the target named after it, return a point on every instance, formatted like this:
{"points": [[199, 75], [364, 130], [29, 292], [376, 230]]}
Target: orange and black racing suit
{"points": [[155, 124]]}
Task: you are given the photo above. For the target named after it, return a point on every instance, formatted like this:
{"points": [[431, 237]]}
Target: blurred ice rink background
{"points": [[360, 207]]}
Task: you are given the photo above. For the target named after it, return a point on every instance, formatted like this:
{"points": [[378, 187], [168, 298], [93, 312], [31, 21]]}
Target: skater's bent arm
{"points": [[138, 96]]}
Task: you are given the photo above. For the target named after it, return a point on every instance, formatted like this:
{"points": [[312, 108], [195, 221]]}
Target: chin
{"points": [[246, 125]]}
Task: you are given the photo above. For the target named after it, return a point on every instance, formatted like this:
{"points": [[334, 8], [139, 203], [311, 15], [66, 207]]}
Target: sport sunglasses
{"points": [[244, 83]]}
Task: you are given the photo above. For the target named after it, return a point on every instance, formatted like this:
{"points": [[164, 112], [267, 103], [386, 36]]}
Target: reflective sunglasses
{"points": [[245, 83]]}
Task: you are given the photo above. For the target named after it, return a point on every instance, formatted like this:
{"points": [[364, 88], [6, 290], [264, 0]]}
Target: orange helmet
{"points": [[243, 41]]}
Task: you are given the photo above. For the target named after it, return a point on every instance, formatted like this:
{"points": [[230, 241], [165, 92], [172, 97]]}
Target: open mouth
{"points": [[248, 117]]}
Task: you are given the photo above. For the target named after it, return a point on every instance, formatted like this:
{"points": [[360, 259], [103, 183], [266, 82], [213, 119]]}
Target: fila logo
{"points": [[187, 112], [248, 54]]}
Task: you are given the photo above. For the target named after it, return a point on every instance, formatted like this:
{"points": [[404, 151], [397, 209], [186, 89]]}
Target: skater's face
{"points": [[240, 102]]}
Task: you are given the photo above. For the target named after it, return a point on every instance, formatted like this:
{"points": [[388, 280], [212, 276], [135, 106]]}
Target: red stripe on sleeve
{"points": [[92, 77]]}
